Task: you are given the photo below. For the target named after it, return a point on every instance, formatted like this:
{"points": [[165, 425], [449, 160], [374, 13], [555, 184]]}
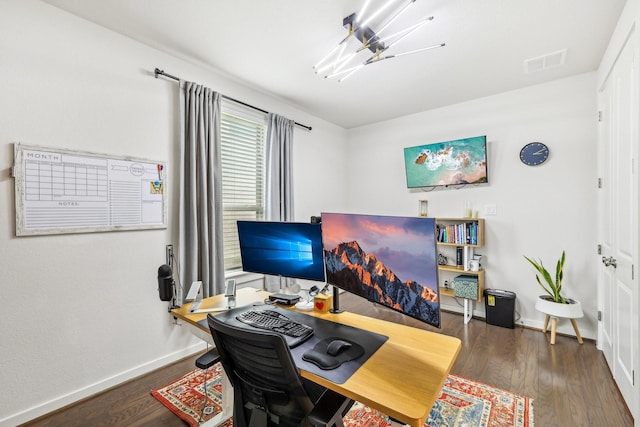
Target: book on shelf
{"points": [[461, 234]]}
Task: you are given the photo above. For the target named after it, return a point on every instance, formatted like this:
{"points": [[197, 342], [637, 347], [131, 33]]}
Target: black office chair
{"points": [[267, 387]]}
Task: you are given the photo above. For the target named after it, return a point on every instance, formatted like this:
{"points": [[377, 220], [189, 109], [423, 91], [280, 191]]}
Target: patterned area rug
{"points": [[462, 403]]}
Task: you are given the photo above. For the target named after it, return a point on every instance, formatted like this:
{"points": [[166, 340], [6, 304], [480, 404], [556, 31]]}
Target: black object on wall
{"points": [[165, 283]]}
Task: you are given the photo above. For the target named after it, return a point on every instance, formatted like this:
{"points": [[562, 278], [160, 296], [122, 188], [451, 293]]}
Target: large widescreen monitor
{"points": [[389, 260], [286, 249]]}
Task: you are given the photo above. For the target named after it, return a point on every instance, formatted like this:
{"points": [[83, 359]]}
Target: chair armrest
{"points": [[330, 408], [208, 359]]}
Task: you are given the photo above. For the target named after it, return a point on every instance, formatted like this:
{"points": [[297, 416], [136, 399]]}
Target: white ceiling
{"points": [[273, 45]]}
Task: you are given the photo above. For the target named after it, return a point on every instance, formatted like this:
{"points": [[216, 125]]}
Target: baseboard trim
{"points": [[68, 399], [521, 323]]}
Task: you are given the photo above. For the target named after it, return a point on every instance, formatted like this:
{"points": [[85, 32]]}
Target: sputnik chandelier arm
{"points": [[382, 58], [401, 35], [404, 33], [342, 45], [376, 58], [395, 16], [376, 13], [336, 61]]}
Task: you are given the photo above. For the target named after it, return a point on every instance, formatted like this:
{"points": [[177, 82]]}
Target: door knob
{"points": [[611, 261]]}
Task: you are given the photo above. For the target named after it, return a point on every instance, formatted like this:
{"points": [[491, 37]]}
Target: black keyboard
{"points": [[271, 320]]}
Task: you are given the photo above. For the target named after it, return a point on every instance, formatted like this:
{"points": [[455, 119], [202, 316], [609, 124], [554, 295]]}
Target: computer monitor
{"points": [[285, 249], [389, 260]]}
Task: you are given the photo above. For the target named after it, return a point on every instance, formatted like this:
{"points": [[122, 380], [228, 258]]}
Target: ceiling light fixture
{"points": [[335, 63]]}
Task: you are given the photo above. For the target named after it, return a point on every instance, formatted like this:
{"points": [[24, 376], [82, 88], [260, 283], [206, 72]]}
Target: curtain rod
{"points": [[159, 72]]}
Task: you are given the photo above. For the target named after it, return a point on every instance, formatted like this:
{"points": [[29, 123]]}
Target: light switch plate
{"points": [[490, 210]]}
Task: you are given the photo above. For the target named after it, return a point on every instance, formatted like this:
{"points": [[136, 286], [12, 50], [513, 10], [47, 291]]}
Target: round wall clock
{"points": [[534, 153]]}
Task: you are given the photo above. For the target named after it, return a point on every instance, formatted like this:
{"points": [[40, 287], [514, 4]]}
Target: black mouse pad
{"points": [[322, 330], [321, 356]]}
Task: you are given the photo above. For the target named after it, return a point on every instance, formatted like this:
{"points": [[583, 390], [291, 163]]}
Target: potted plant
{"points": [[553, 304], [552, 286]]}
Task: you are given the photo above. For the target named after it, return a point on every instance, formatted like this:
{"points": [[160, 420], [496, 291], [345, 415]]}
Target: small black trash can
{"points": [[499, 307]]}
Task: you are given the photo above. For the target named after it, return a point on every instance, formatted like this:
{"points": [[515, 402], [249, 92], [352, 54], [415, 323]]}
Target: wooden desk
{"points": [[244, 296], [402, 379]]}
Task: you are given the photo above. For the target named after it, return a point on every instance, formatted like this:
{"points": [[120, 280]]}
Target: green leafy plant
{"points": [[551, 285]]}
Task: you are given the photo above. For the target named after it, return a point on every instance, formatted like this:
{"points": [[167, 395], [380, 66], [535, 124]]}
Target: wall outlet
{"points": [[169, 255], [490, 210]]}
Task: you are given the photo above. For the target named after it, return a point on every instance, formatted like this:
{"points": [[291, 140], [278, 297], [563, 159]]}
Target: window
{"points": [[243, 133]]}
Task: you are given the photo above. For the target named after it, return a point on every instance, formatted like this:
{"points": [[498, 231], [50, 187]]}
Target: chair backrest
{"points": [[263, 374]]}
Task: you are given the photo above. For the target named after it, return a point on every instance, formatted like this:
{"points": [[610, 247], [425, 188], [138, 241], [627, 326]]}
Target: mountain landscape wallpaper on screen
{"points": [[397, 271]]}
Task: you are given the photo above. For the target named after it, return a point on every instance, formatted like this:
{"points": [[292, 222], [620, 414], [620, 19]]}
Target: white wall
{"points": [[540, 210], [81, 312]]}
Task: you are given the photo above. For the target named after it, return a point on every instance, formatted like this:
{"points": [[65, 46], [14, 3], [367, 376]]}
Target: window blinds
{"points": [[242, 134]]}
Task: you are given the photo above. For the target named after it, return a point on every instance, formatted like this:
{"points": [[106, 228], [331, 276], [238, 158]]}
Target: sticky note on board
{"points": [[491, 300], [156, 187]]}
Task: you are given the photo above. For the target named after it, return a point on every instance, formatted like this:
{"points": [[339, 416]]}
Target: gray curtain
{"points": [[279, 179], [278, 169], [201, 251]]}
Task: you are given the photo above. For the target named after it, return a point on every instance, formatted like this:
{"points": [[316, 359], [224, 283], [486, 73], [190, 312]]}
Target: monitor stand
{"points": [[336, 301]]}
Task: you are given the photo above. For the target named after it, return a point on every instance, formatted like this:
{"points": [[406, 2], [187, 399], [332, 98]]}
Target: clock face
{"points": [[534, 153]]}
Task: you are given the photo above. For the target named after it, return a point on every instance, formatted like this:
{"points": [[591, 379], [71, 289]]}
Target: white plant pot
{"points": [[573, 310], [554, 310]]}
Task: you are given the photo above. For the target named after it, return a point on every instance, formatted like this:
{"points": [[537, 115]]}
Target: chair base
{"points": [[329, 410]]}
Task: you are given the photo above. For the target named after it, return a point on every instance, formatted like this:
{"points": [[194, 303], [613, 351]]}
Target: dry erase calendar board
{"points": [[63, 191]]}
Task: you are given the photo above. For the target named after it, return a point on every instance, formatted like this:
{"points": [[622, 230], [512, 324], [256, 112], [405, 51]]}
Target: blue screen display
{"points": [[287, 249]]}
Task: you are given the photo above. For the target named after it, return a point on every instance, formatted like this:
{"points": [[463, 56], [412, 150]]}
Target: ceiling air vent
{"points": [[544, 62]]}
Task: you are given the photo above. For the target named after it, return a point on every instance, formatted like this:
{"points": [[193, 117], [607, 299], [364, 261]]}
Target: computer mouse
{"points": [[336, 346]]}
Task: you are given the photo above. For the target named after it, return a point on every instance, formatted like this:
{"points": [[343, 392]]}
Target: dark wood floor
{"points": [[570, 383]]}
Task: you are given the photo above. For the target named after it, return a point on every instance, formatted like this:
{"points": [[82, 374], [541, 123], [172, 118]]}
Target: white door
{"points": [[618, 283], [606, 277]]}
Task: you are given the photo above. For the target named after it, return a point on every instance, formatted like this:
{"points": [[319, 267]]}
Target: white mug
{"points": [[474, 265]]}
